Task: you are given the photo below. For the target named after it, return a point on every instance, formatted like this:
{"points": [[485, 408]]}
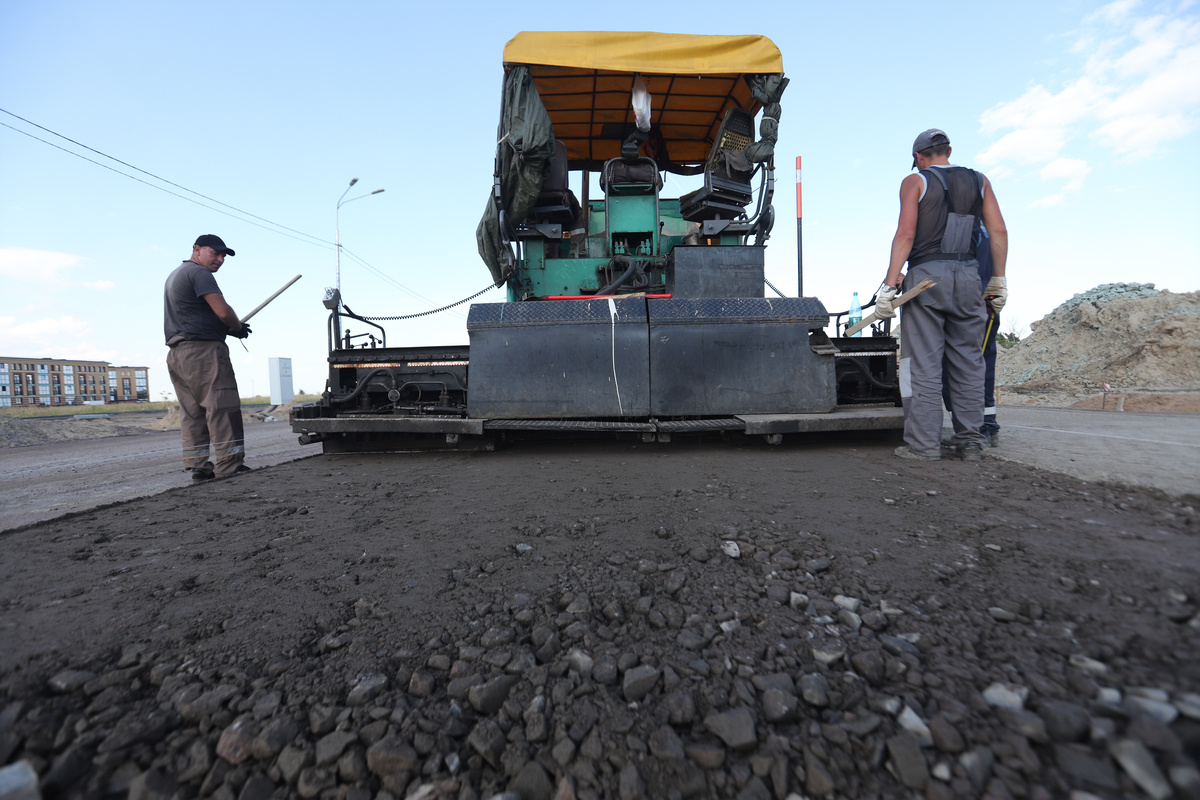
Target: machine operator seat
{"points": [[630, 176], [726, 191], [556, 204]]}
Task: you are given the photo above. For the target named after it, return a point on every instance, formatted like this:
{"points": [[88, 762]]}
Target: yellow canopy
{"points": [[658, 53], [585, 77]]}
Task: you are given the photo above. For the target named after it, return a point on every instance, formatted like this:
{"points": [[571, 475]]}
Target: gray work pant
{"points": [[945, 322], [210, 410]]}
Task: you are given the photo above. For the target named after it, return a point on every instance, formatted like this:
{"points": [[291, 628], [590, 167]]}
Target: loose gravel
{"points": [[717, 622]]}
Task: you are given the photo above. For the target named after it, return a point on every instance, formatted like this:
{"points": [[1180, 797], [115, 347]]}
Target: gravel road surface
{"points": [[610, 620], [48, 480], [1146, 450], [1150, 450]]}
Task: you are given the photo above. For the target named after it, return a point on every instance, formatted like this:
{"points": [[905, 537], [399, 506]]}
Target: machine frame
{"points": [[629, 313]]}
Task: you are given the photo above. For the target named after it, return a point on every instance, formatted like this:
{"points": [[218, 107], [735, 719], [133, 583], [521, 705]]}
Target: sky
{"points": [[248, 119]]}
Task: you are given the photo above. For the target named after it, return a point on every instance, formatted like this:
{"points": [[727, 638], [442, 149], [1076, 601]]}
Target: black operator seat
{"points": [[555, 203], [630, 173], [726, 191]]}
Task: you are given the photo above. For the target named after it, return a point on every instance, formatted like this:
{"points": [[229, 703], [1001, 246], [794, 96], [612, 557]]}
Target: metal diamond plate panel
{"points": [[620, 311], [754, 310]]}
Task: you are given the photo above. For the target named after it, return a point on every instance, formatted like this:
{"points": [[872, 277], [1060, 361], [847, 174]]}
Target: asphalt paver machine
{"points": [[627, 311]]}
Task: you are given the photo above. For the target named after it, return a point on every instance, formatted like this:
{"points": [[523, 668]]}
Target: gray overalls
{"points": [[946, 322]]}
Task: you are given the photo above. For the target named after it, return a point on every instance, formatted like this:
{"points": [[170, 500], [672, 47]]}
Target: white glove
{"points": [[996, 293], [883, 303]]}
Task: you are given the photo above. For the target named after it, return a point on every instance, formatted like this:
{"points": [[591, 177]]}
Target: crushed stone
{"points": [[1144, 343]]}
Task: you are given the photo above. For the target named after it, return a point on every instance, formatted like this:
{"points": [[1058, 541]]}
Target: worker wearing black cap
{"points": [[940, 211], [196, 320]]}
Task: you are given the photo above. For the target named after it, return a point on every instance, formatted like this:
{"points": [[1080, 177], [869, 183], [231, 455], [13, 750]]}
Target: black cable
{"points": [[159, 188], [781, 294], [385, 277], [317, 240], [487, 288], [144, 172]]}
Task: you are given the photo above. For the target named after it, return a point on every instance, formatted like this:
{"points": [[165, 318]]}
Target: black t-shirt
{"points": [[186, 314]]}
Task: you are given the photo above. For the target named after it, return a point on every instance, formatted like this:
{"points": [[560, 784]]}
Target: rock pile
{"points": [[22, 432], [754, 666], [1132, 336], [170, 419]]}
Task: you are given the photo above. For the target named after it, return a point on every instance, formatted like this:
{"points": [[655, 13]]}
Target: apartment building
{"points": [[64, 382], [127, 384]]}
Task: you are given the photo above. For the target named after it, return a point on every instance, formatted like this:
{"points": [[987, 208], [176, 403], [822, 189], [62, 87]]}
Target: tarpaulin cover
{"points": [[526, 145], [585, 79], [767, 89]]}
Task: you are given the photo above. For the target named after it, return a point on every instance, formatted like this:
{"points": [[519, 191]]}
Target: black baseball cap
{"points": [[927, 139], [209, 240]]}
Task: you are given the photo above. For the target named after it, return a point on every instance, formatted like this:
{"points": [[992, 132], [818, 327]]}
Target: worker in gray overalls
{"points": [[940, 208]]}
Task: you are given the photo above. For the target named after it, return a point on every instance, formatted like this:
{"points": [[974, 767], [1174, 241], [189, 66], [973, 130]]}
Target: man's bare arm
{"points": [[997, 232], [906, 228], [216, 301]]}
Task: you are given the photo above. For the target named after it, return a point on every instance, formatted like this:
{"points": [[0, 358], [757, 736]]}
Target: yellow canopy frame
{"points": [[585, 78]]}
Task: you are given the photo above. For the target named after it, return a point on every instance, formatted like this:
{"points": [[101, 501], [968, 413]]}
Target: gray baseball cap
{"points": [[927, 139]]}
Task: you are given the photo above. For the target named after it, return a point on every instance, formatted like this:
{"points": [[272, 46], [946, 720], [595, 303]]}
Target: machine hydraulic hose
{"points": [[625, 276], [871, 379], [362, 386]]}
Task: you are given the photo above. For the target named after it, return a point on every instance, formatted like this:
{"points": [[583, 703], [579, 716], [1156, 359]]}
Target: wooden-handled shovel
{"points": [[899, 301], [263, 304]]}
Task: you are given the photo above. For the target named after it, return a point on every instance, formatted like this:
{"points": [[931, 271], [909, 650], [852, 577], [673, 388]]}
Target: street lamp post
{"points": [[337, 233]]}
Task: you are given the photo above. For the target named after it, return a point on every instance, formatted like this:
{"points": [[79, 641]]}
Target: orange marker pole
{"points": [[799, 235]]}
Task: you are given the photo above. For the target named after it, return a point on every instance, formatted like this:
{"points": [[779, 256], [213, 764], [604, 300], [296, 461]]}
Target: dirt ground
{"points": [[614, 620], [28, 431], [570, 620]]}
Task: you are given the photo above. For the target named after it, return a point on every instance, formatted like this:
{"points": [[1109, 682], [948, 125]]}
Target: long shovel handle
{"points": [[263, 304], [899, 301]]}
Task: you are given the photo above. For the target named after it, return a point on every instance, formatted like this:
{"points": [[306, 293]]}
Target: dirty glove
{"points": [[996, 293], [242, 333], [883, 303]]}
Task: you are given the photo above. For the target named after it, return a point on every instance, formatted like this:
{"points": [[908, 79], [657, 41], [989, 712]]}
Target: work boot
{"points": [[994, 440], [971, 452], [204, 472], [241, 470], [904, 452]]}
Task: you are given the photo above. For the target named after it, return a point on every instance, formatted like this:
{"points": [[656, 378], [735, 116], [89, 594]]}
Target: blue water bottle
{"points": [[855, 313]]}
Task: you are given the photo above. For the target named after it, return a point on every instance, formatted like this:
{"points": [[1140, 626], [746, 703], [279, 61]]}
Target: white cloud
{"points": [[47, 329], [1072, 170], [22, 263], [1113, 12], [53, 337], [99, 285], [1026, 145], [1134, 91], [1136, 136], [1046, 202]]}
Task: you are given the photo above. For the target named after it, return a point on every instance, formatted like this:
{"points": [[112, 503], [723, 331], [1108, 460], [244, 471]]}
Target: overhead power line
{"points": [[159, 188], [144, 172], [283, 230]]}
